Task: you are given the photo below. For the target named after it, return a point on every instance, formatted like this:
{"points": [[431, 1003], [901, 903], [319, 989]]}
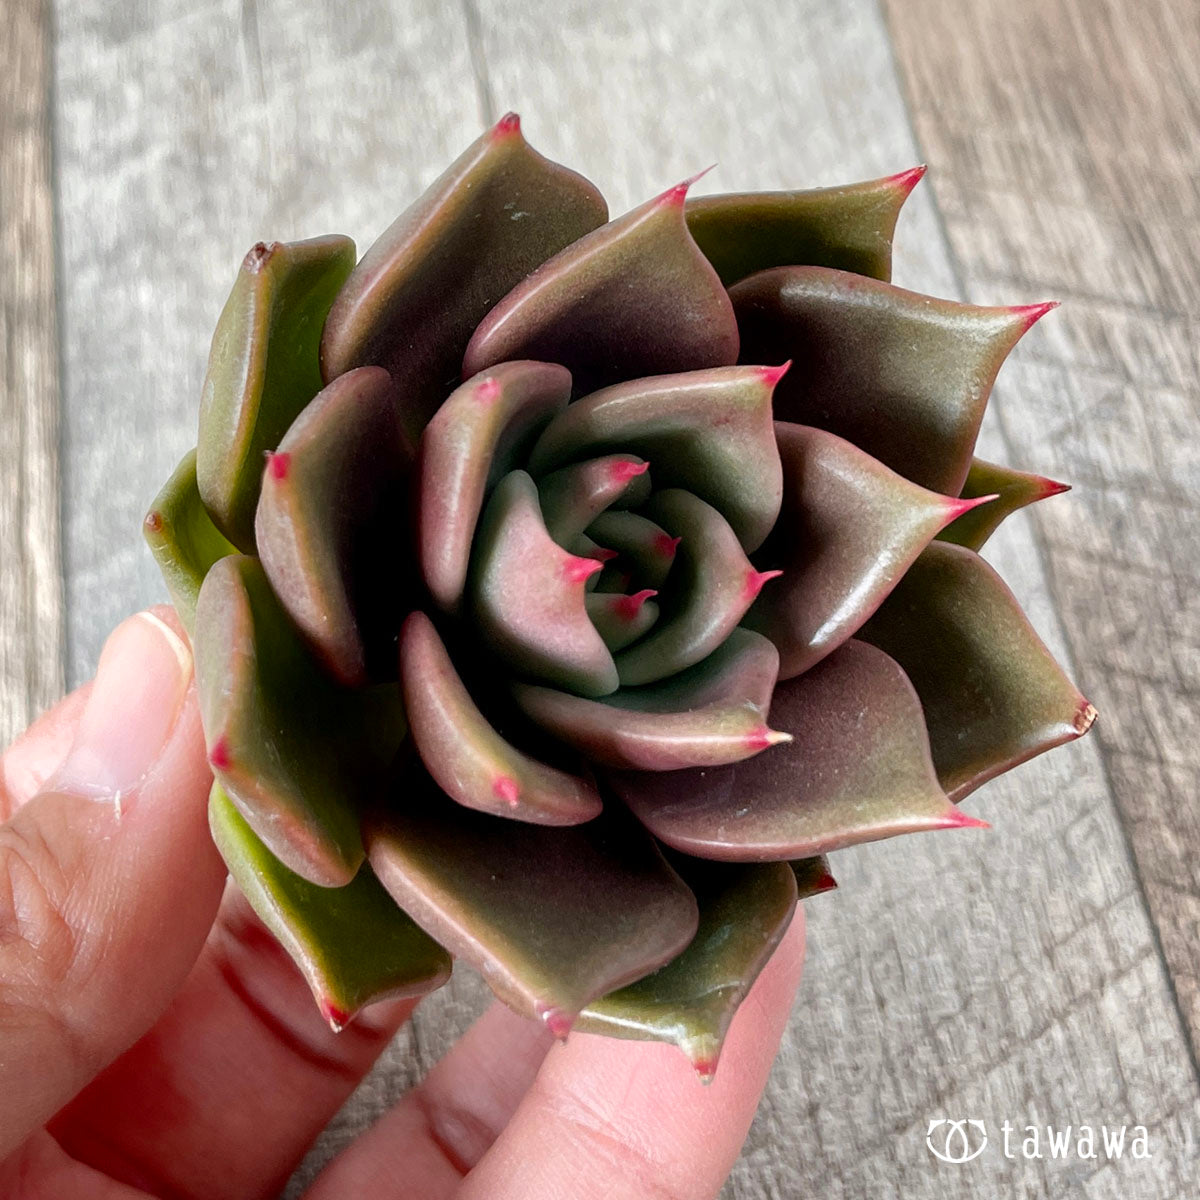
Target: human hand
{"points": [[155, 1040]]}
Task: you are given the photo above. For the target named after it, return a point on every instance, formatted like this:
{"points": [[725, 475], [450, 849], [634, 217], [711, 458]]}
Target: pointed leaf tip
{"points": [[755, 581], [278, 464], [667, 545], [334, 1017], [509, 125], [219, 757], [959, 505], [677, 195], [630, 606], [905, 181], [556, 1021], [1085, 718], [772, 375], [1031, 314], [825, 882], [957, 819]]}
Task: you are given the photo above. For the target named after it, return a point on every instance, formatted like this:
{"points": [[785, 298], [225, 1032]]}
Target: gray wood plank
{"points": [[31, 593], [1070, 169]]}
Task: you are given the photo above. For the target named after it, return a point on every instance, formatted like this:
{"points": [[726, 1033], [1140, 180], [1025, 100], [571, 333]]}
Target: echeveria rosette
{"points": [[563, 590]]}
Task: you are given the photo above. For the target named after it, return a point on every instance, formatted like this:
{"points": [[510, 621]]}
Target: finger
{"points": [[223, 1097], [108, 879], [444, 1126], [39, 751], [627, 1120]]}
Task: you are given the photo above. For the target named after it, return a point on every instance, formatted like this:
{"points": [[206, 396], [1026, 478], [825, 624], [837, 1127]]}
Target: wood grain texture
{"points": [[1068, 141], [31, 593], [1005, 975]]}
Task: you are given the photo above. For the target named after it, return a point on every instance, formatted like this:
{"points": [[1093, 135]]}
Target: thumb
{"points": [[108, 878]]}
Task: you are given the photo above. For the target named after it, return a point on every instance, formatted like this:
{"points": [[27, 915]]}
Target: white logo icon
{"points": [[954, 1144]]}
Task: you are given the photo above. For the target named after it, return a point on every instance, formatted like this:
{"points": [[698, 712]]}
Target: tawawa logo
{"points": [[961, 1141]]}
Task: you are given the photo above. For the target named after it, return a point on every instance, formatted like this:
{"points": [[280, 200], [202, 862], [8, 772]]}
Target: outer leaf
{"points": [[712, 586], [262, 370], [848, 530], [470, 761], [904, 377], [571, 498], [332, 500], [294, 753], [552, 918], [645, 550], [482, 432], [352, 944], [849, 228], [1013, 490], [857, 769], [183, 539], [410, 306], [528, 595], [713, 713], [710, 432], [631, 299], [992, 693], [745, 910]]}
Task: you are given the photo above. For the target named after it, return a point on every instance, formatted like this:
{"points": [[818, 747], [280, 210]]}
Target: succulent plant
{"points": [[562, 589]]}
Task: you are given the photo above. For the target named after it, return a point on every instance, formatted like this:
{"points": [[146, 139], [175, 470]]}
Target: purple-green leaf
{"points": [[745, 909], [1013, 490], [552, 917], [352, 944], [467, 758], [333, 498], [495, 215], [856, 769], [849, 228], [483, 431], [183, 539], [262, 370], [710, 432], [904, 377], [848, 529], [992, 693], [634, 298], [528, 595]]}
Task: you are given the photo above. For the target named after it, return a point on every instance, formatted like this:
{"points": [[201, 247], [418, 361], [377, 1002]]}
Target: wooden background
{"points": [[1046, 972]]}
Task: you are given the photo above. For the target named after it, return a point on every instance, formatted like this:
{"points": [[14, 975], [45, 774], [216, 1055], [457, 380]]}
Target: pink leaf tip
{"points": [[772, 375], [763, 738], [1030, 314], [1051, 487], [957, 819], [488, 390], [579, 570], [955, 506], [556, 1020], [335, 1018], [219, 757], [666, 545], [623, 470], [705, 1067], [278, 464], [604, 554], [508, 790], [678, 194], [628, 607], [509, 125], [905, 181], [755, 580]]}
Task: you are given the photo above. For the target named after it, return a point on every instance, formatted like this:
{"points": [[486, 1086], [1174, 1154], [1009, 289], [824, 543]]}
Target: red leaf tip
{"points": [[675, 196], [956, 506], [1030, 314], [772, 375], [755, 580], [905, 181], [509, 125], [278, 464], [578, 570], [763, 738], [556, 1020], [623, 470], [957, 819], [488, 390], [1051, 487], [508, 790], [335, 1018], [666, 545], [219, 757], [604, 554], [706, 1067], [825, 882], [628, 607]]}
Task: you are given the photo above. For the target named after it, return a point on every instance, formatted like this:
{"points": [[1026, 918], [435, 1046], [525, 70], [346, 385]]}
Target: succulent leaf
{"points": [[292, 751], [497, 213], [992, 693], [483, 431], [633, 298], [848, 529], [644, 550], [713, 713], [856, 769], [712, 585], [904, 377], [183, 539], [332, 499], [1013, 490], [848, 228], [745, 909], [262, 370], [621, 619], [352, 944], [552, 917], [572, 497], [467, 758], [710, 432]]}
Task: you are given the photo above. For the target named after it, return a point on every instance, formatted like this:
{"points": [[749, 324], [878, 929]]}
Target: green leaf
{"points": [[904, 377], [745, 909], [856, 769], [352, 944], [411, 305], [551, 917], [183, 539], [263, 369], [1013, 490], [849, 228], [848, 529], [992, 693], [332, 496], [631, 299]]}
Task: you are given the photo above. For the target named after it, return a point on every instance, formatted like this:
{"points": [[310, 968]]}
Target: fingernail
{"points": [[143, 676]]}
